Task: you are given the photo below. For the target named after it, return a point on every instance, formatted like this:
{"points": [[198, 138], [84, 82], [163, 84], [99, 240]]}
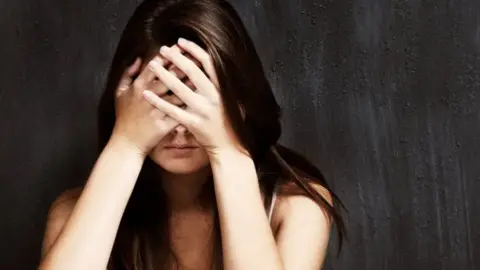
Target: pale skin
{"points": [[82, 224]]}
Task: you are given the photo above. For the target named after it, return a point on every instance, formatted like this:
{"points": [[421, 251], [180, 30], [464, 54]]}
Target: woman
{"points": [[190, 175]]}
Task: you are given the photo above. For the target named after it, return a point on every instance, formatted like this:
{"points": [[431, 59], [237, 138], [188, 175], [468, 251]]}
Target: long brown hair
{"points": [[142, 240]]}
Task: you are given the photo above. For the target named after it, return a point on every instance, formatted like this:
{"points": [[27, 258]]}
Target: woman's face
{"points": [[179, 152]]}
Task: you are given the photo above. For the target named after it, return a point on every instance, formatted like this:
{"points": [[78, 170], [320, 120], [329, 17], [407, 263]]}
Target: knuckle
{"points": [[188, 69], [204, 112], [157, 60], [196, 123], [215, 100]]}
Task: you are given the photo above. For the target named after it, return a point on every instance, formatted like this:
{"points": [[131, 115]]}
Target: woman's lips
{"points": [[179, 147], [181, 151]]}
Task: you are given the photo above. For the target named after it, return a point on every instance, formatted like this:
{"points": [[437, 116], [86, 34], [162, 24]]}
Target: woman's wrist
{"points": [[226, 155], [122, 144]]}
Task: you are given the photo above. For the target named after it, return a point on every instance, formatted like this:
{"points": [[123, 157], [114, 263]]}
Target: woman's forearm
{"points": [[87, 238], [247, 239]]}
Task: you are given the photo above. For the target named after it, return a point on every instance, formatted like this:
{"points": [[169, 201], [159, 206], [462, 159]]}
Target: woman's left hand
{"points": [[204, 116]]}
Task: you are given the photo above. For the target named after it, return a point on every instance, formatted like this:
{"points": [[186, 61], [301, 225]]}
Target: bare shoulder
{"points": [[293, 203], [64, 203], [68, 196], [302, 227], [58, 214]]}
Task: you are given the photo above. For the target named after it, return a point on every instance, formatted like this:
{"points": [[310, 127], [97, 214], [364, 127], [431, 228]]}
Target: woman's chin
{"points": [[181, 167]]}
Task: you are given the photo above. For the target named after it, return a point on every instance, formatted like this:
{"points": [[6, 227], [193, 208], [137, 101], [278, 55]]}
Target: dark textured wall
{"points": [[382, 95]]}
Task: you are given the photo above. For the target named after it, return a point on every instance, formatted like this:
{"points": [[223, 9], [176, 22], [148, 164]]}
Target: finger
{"points": [[198, 78], [132, 69], [159, 88], [147, 75], [180, 115], [179, 73], [168, 123], [126, 79], [165, 122], [201, 55], [175, 48], [178, 87], [172, 68], [174, 99], [156, 114]]}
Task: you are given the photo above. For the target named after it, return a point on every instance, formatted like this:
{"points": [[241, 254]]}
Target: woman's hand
{"points": [[204, 115], [137, 121]]}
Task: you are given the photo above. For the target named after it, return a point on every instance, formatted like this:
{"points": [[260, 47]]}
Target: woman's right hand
{"points": [[138, 122]]}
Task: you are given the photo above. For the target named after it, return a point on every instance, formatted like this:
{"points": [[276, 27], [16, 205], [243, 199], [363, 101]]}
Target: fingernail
{"points": [[182, 41], [151, 65], [164, 49], [147, 93]]}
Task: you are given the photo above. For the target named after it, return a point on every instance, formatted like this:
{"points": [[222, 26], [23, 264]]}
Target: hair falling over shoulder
{"points": [[213, 24]]}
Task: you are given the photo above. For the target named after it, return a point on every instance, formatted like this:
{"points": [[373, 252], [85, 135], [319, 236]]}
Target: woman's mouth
{"points": [[180, 151]]}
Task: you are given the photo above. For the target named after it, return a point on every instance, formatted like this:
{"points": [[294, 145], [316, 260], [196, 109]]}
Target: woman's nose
{"points": [[180, 129]]}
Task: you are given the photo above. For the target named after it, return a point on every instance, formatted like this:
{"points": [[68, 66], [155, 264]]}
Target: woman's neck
{"points": [[184, 191]]}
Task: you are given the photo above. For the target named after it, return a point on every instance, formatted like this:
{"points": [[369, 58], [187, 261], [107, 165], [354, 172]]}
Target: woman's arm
{"points": [[247, 240], [86, 239]]}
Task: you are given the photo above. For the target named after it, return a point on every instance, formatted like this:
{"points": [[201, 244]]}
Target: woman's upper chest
{"points": [[192, 236]]}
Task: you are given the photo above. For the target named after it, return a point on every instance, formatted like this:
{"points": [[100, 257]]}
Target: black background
{"points": [[382, 95]]}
